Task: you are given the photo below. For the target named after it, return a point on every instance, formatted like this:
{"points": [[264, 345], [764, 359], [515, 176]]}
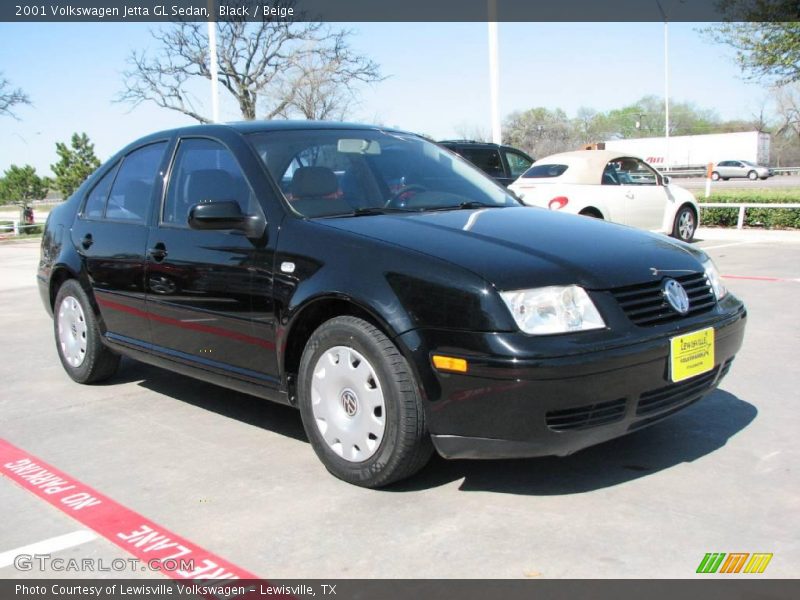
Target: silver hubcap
{"points": [[686, 225], [72, 331], [347, 403]]}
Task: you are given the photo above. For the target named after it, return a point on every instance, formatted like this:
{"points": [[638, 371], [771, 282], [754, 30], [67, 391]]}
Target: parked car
{"points": [[440, 315], [608, 185], [503, 163], [739, 168]]}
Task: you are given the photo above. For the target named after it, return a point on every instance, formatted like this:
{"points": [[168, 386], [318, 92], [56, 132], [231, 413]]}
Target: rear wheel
{"points": [[685, 224], [80, 348], [360, 404], [714, 176]]}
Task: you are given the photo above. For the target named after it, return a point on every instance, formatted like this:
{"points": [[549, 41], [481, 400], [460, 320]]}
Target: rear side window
{"points": [[96, 200], [486, 159], [204, 170], [543, 171], [133, 187]]}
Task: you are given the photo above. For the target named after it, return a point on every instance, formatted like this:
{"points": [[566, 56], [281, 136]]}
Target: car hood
{"points": [[516, 248]]}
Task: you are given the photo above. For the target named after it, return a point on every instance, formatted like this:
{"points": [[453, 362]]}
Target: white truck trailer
{"points": [[696, 151]]}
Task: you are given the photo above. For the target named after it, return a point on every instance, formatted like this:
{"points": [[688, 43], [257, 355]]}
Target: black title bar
{"points": [[33, 11]]}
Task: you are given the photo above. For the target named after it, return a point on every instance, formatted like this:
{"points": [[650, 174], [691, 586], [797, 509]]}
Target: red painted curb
{"points": [[156, 546]]}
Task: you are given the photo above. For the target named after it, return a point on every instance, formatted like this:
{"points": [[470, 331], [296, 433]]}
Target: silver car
{"points": [[739, 168]]}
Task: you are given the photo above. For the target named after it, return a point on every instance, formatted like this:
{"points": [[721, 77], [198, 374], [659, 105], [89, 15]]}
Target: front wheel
{"points": [[360, 404], [685, 224], [84, 356], [752, 175], [714, 176]]}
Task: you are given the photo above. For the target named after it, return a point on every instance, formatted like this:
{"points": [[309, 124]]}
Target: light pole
{"points": [[494, 75], [212, 59], [666, 86]]}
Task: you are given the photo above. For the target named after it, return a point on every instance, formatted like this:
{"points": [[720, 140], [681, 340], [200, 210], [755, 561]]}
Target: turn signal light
{"points": [[558, 202], [449, 363]]}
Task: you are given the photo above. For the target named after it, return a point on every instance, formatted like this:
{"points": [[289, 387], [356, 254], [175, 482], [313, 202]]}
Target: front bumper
{"points": [[513, 406]]}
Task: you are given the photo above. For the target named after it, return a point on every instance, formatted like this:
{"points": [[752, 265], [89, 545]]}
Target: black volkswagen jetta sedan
{"points": [[396, 295]]}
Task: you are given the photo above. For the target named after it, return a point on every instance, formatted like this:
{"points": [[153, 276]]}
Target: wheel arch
{"points": [[313, 313], [592, 211]]}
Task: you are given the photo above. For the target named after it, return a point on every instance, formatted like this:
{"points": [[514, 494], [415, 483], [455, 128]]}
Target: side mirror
{"points": [[216, 214], [665, 180], [225, 214]]}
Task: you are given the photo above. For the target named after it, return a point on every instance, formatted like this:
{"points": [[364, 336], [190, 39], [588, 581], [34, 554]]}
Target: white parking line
{"points": [[726, 245], [54, 544]]}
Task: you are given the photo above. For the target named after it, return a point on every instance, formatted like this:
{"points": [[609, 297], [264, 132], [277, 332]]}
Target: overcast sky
{"points": [[438, 77]]}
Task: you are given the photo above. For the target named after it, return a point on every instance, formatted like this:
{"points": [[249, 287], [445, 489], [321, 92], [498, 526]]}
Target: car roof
{"points": [[585, 166], [247, 127]]}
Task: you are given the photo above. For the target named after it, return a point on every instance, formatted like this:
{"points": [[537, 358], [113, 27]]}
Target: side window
{"points": [[133, 187], [517, 163], [486, 159], [610, 176], [96, 200], [204, 170], [631, 171]]}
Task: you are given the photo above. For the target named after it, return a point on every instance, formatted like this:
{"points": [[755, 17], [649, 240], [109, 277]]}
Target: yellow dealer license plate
{"points": [[691, 354]]}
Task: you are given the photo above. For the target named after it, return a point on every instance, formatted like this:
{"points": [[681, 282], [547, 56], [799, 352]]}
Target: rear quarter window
{"points": [[544, 171]]}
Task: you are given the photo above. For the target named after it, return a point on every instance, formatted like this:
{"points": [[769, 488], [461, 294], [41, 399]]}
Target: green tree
{"points": [[74, 164], [21, 184], [765, 34]]}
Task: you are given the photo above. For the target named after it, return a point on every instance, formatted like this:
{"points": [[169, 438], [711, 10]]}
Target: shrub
{"points": [[768, 218]]}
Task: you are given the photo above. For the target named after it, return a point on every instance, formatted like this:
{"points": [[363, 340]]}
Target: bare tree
{"points": [[472, 131], [10, 97], [271, 68]]}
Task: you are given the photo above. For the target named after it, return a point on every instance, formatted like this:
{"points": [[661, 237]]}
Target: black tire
{"points": [[725, 178], [98, 362], [752, 175], [405, 446], [680, 230], [591, 212], [714, 176]]}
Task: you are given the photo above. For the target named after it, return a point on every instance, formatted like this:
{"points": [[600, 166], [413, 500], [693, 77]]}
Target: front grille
{"points": [[645, 305], [586, 416], [675, 394]]}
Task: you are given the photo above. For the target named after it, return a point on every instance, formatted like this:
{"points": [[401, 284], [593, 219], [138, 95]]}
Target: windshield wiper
{"points": [[365, 211], [467, 205]]}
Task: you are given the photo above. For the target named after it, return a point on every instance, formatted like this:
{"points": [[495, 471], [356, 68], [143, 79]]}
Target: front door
{"points": [[201, 284], [645, 197]]}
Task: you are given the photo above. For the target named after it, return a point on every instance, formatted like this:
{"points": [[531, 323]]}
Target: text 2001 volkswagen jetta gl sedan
{"points": [[386, 287]]}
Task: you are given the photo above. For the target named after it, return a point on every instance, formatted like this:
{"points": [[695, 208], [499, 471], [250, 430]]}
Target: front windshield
{"points": [[336, 172]]}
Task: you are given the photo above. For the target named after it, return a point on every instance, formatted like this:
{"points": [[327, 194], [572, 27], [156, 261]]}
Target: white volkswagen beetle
{"points": [[612, 186]]}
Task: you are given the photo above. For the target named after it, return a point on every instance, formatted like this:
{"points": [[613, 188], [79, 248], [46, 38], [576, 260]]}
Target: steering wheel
{"points": [[399, 197]]}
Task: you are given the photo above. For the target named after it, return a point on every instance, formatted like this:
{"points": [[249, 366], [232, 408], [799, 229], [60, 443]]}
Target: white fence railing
{"points": [[743, 206]]}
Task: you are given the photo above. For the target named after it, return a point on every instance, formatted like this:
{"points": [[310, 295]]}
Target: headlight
{"points": [[720, 291], [556, 309]]}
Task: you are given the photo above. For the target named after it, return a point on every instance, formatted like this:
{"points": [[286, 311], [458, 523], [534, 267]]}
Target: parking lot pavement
{"points": [[236, 475]]}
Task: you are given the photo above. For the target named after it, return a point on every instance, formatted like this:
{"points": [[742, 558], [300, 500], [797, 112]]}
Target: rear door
{"points": [[110, 234], [487, 160], [203, 286]]}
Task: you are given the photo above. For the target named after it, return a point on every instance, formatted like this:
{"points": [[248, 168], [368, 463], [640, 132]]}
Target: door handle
{"points": [[629, 195], [158, 252], [87, 241]]}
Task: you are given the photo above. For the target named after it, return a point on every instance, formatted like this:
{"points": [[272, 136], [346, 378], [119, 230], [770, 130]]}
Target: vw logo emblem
{"points": [[349, 403], [676, 296]]}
